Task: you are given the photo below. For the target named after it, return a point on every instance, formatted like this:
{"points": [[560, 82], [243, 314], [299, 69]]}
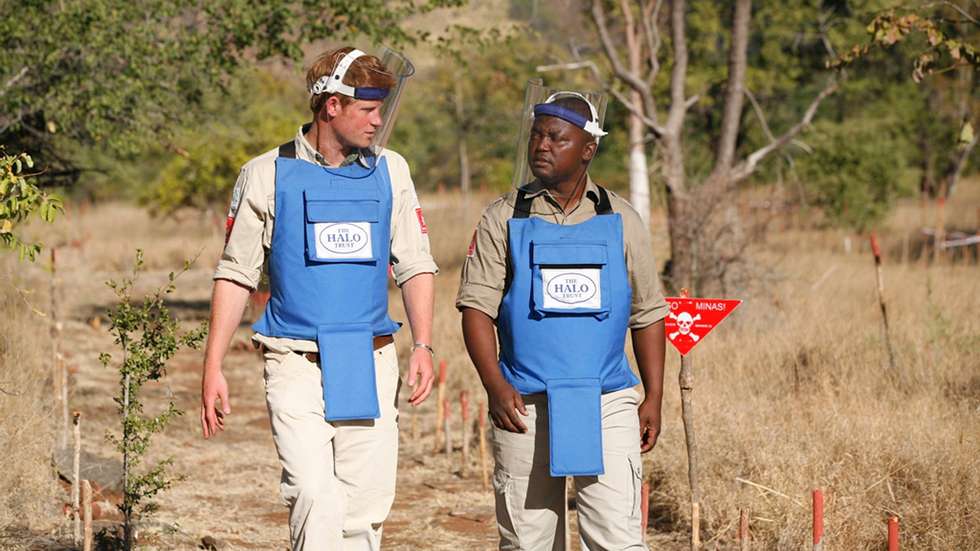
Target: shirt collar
{"points": [[306, 151], [536, 188]]}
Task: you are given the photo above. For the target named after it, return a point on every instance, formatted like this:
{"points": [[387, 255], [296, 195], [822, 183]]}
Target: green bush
{"points": [[19, 200], [857, 170]]}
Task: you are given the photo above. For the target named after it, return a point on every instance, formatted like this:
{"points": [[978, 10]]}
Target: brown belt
{"points": [[379, 341]]}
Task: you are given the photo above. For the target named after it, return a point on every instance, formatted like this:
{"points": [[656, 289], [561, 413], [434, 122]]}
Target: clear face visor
{"points": [[396, 65], [539, 101]]}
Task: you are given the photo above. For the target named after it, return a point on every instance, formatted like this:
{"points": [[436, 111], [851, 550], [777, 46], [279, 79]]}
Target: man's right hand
{"points": [[505, 403], [214, 387], [227, 305]]}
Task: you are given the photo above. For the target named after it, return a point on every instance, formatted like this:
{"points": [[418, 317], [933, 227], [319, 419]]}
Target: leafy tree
{"points": [[19, 200], [260, 111], [476, 97], [123, 75], [856, 186], [942, 41]]}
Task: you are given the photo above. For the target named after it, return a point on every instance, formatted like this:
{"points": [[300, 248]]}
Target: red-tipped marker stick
{"points": [[464, 414], [892, 533], [743, 530], [445, 428], [817, 520]]}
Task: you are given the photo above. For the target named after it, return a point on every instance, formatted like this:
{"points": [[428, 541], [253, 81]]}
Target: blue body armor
{"points": [[328, 273], [562, 325]]}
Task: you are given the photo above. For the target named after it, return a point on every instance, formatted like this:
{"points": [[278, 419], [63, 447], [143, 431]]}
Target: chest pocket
{"points": [[570, 278], [341, 226]]}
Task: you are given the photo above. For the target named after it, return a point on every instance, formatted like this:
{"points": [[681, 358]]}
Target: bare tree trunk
{"points": [[639, 177], [732, 117], [689, 222], [680, 271]]}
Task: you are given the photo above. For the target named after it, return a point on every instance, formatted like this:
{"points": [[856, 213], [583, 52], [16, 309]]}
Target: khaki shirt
{"points": [[486, 271], [252, 216]]}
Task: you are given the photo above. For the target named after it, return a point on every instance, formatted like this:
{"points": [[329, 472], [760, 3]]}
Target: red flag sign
{"points": [[691, 319]]}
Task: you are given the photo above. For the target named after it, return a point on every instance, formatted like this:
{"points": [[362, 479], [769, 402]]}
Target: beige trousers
{"points": [[530, 502], [338, 478]]}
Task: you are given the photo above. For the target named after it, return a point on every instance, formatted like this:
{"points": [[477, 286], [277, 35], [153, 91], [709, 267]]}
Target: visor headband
{"points": [[548, 108], [334, 82]]}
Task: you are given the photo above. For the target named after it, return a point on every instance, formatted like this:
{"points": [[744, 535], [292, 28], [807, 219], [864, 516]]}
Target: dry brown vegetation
{"points": [[792, 392]]}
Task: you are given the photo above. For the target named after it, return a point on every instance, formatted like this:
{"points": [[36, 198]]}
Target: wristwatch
{"points": [[417, 345]]}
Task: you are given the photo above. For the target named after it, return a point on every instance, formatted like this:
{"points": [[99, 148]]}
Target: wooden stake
{"points": [[817, 520], [743, 530], [75, 483], [87, 515], [644, 508], [441, 411], [876, 250], [686, 380], [893, 533], [464, 414], [484, 464], [59, 384], [567, 532], [445, 430]]}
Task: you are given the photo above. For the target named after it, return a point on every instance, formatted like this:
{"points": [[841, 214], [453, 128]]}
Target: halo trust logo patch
{"points": [[343, 240], [569, 289]]}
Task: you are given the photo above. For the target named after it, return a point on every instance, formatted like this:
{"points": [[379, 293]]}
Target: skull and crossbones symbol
{"points": [[684, 323]]}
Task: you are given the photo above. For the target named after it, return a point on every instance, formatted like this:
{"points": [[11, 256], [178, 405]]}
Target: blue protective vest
{"points": [[562, 325], [328, 273]]}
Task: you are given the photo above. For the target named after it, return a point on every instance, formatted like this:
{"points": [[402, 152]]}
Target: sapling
{"points": [[148, 336]]}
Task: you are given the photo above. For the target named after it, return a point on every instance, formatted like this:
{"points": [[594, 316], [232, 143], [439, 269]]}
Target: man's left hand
{"points": [[420, 376], [649, 412]]}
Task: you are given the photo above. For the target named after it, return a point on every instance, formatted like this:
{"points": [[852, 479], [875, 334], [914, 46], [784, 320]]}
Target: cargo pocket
{"points": [[340, 227], [570, 278], [636, 473]]}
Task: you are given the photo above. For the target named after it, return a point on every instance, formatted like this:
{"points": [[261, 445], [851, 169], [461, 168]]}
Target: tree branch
{"points": [[620, 97], [651, 33], [746, 167], [962, 12], [13, 80], [732, 115], [633, 80]]}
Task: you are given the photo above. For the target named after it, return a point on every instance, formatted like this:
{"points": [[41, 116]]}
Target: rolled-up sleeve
{"points": [[484, 272], [241, 260], [411, 254], [649, 305]]}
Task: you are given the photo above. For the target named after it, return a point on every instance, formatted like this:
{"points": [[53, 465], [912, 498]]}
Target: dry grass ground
{"points": [[792, 393]]}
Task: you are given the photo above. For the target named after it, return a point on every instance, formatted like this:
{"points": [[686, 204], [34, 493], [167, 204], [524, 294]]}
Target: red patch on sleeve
{"points": [[472, 250], [422, 226], [229, 224]]}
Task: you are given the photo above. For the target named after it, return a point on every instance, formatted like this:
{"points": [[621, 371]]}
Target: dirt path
{"points": [[230, 487]]}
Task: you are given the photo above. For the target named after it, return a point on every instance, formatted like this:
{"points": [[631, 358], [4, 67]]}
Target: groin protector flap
{"points": [[575, 426], [350, 390]]}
